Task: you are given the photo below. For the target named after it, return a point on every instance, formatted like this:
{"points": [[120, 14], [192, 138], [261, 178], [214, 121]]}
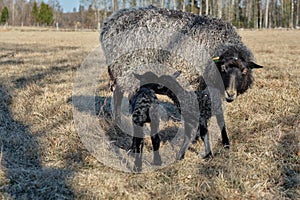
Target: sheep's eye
{"points": [[223, 68], [244, 71]]}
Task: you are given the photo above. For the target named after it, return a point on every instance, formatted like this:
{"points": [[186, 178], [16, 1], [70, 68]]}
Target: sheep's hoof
{"points": [[208, 156], [180, 156], [195, 140], [226, 143], [157, 161], [137, 169]]}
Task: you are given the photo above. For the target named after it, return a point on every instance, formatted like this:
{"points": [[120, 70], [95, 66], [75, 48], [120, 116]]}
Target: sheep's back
{"points": [[205, 30], [213, 35]]}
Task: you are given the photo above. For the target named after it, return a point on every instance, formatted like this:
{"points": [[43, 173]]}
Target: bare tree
{"points": [[220, 5], [292, 14], [192, 6], [116, 5], [83, 5], [162, 3], [260, 3], [104, 9], [242, 13], [113, 5], [267, 14], [13, 12], [298, 13], [133, 3], [96, 5], [255, 14], [249, 13]]}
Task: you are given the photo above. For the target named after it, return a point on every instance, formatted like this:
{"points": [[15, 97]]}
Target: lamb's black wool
{"points": [[144, 110]]}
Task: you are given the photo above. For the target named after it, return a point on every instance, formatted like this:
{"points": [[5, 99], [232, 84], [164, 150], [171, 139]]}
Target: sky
{"points": [[68, 5]]}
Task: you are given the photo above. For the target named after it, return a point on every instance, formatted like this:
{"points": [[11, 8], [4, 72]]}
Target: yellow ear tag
{"points": [[216, 59]]}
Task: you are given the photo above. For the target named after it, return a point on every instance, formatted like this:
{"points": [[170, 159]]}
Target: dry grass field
{"points": [[42, 156]]}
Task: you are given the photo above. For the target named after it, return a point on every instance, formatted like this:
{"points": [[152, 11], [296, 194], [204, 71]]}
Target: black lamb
{"points": [[145, 109]]}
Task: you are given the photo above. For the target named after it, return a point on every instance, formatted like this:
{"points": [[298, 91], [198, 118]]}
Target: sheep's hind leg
{"points": [[205, 138], [221, 123], [196, 139]]}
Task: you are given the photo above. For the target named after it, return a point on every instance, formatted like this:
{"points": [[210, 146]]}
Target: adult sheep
{"points": [[221, 41], [217, 37], [233, 60]]}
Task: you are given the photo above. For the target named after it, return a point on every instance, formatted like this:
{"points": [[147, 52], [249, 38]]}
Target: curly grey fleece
{"points": [[213, 36]]}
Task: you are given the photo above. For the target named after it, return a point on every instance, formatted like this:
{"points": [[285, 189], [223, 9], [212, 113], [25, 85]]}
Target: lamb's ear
{"points": [[253, 65]]}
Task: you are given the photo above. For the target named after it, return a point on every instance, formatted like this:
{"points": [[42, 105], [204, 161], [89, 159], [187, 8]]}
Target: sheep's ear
{"points": [[176, 74], [253, 65], [137, 76]]}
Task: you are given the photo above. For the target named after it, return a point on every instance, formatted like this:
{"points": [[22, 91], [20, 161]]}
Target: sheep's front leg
{"points": [[196, 139], [155, 143], [205, 138], [221, 124], [118, 96], [137, 147]]}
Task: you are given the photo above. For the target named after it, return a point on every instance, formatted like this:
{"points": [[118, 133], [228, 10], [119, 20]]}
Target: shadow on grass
{"points": [[121, 138], [102, 108], [287, 150], [54, 70], [26, 178]]}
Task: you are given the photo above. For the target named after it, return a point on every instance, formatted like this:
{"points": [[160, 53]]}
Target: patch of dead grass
{"points": [[42, 156]]}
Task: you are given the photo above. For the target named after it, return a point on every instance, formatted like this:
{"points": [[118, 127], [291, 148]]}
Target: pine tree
{"points": [[4, 15], [45, 15], [35, 13]]}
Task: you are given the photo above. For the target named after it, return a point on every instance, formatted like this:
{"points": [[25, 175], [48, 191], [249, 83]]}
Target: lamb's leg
{"points": [[155, 141], [154, 125], [221, 124], [137, 147], [155, 144], [205, 138]]}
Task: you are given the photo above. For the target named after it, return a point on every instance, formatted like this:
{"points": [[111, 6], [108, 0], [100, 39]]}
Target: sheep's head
{"points": [[236, 73]]}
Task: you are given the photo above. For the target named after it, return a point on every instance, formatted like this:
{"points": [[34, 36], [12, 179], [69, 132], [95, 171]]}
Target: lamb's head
{"points": [[235, 68]]}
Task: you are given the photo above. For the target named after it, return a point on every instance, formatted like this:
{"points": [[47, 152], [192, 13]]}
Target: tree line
{"points": [[91, 13]]}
